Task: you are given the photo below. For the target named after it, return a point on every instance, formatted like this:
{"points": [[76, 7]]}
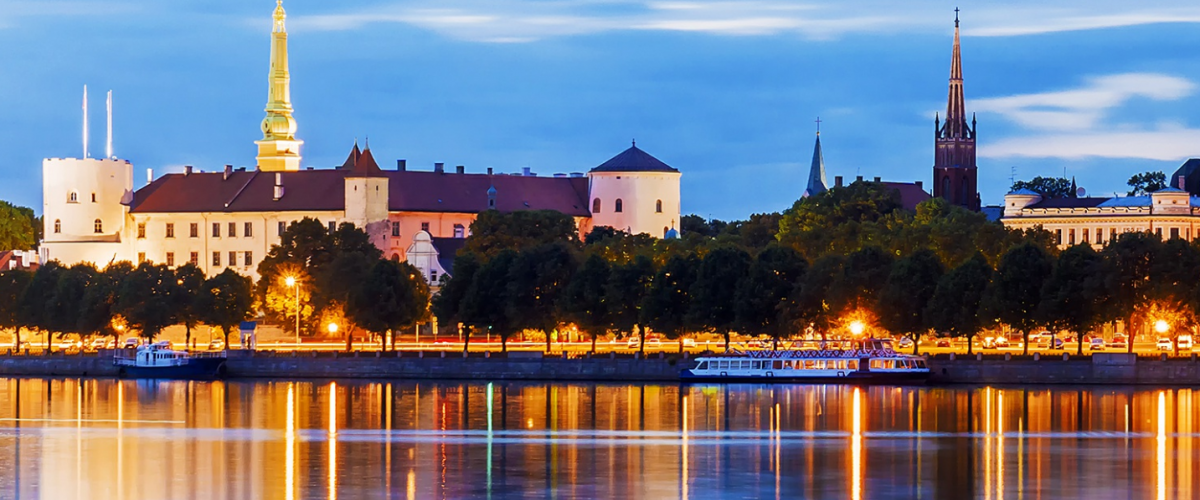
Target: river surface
{"points": [[101, 439]]}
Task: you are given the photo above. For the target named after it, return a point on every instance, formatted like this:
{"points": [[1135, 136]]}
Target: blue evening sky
{"points": [[726, 91]]}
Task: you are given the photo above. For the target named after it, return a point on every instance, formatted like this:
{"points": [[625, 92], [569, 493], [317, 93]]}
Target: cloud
{"points": [[1084, 107], [524, 20], [1165, 143]]}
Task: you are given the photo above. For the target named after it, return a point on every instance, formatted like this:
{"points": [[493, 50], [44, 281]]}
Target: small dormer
{"points": [[1170, 201], [1016, 201]]}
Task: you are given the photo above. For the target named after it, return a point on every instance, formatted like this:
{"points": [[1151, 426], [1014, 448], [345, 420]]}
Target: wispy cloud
{"points": [[524, 20], [1077, 123]]}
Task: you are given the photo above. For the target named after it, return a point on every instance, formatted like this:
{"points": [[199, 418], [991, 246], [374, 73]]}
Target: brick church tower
{"points": [[954, 172]]}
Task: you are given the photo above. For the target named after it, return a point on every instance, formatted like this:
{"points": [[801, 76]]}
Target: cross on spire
{"points": [[818, 125], [956, 17]]}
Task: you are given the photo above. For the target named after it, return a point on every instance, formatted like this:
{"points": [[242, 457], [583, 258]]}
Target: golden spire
{"points": [[279, 149]]}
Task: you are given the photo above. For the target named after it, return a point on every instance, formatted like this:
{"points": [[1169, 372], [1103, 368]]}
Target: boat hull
{"points": [[194, 369], [854, 378]]}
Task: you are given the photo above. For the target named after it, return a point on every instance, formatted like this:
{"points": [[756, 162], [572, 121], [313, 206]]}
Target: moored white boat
{"points": [[160, 361], [855, 361]]}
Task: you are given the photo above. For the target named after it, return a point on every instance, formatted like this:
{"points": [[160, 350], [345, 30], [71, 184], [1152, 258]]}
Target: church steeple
{"points": [[279, 149], [816, 172], [954, 172]]}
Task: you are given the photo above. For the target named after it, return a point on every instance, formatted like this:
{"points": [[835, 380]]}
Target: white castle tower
{"points": [[636, 193]]}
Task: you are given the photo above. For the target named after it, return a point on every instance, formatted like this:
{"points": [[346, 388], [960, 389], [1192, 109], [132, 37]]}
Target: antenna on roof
{"points": [[85, 123], [108, 150], [634, 141], [1012, 178]]}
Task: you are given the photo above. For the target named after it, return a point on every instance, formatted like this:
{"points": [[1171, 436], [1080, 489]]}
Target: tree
{"points": [[695, 224], [770, 281], [148, 299], [99, 303], [809, 306], [337, 282], [863, 275], [583, 300], [393, 297], [65, 308], [625, 293], [225, 301], [190, 281], [1146, 183], [32, 309], [618, 247], [1048, 187], [18, 229], [485, 304], [1173, 283], [833, 221], [668, 303], [13, 283], [447, 305], [754, 233], [714, 292], [1074, 297], [1130, 261], [493, 232], [955, 305], [905, 296], [1015, 294], [535, 280]]}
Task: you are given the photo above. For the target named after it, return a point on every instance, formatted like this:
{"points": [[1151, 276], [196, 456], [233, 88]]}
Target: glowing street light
{"points": [[1161, 326], [856, 327], [333, 328], [291, 281]]}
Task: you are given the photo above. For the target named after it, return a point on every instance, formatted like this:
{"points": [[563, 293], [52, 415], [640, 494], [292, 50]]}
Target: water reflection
{"points": [[71, 438]]}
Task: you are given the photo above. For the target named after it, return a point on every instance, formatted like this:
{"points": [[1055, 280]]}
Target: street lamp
{"points": [[333, 328], [1161, 326], [291, 281], [856, 327]]}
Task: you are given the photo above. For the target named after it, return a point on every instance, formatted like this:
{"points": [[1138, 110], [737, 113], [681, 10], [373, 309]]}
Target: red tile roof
{"points": [[910, 193]]}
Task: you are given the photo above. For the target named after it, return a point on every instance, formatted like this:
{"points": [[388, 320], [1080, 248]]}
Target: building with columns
{"points": [[230, 218]]}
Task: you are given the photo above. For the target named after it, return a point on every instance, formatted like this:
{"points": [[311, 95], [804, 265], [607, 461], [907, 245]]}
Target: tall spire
{"points": [[954, 170], [956, 112], [816, 173], [279, 149]]}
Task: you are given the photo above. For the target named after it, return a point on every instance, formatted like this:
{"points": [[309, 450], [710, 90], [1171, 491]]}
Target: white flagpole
{"points": [[85, 123], [108, 151]]}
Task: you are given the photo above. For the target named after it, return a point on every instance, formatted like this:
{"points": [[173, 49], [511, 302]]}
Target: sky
{"points": [[725, 91]]}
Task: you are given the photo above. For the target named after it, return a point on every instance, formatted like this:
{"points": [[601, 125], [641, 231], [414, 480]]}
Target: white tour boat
{"points": [[845, 361], [158, 360]]}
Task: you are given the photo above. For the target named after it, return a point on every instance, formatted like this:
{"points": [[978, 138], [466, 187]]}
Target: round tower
{"points": [[635, 192], [84, 207]]}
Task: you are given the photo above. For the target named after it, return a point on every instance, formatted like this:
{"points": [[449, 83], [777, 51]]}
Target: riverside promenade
{"points": [[1097, 369]]}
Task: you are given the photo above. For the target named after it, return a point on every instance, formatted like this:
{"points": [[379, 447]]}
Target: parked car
{"points": [[1164, 344], [97, 343], [1119, 343], [633, 342], [689, 342], [905, 343], [989, 342], [131, 343], [653, 342], [1097, 344], [943, 343], [1001, 342], [1185, 342], [217, 344], [71, 345]]}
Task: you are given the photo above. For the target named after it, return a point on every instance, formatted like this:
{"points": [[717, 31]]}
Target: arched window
{"points": [[72, 197], [93, 197], [619, 206], [98, 227], [658, 207], [460, 231], [395, 257], [57, 226], [596, 206], [946, 188]]}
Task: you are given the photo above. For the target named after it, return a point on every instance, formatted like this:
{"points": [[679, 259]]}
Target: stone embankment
{"points": [[1101, 368]]}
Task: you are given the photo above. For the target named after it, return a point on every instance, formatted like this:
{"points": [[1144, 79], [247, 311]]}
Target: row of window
{"points": [[194, 230], [460, 231], [73, 197], [619, 206], [1087, 235], [194, 258]]}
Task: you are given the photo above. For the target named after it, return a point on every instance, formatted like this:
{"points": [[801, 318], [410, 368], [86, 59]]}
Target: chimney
{"points": [[460, 169], [489, 170], [560, 176], [576, 174], [228, 172], [525, 171], [187, 170], [876, 179], [439, 167], [1182, 182], [918, 183], [149, 176], [837, 181], [401, 165], [278, 186], [858, 179]]}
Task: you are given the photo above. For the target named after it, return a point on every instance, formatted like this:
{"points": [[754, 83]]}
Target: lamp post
{"points": [[291, 281], [856, 327]]}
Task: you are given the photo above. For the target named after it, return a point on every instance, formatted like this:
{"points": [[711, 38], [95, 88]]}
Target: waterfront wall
{"points": [[1101, 368]]}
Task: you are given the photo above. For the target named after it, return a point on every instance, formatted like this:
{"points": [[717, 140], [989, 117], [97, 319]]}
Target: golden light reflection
{"points": [[411, 488], [684, 420], [999, 444], [333, 441], [856, 448], [290, 442], [1161, 458]]}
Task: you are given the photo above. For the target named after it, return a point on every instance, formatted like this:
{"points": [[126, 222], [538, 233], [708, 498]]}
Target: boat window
{"points": [[756, 365], [777, 365], [920, 364], [746, 364], [809, 364], [703, 365], [852, 364], [724, 365]]}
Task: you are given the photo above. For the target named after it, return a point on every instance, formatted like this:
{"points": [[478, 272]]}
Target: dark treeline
{"points": [[339, 275], [849, 254]]}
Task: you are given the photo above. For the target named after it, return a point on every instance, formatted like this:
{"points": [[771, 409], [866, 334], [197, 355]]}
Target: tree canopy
{"points": [[1048, 187]]}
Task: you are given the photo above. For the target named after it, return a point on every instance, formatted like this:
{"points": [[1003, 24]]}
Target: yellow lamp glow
{"points": [[856, 327], [290, 281], [333, 328], [1161, 326]]}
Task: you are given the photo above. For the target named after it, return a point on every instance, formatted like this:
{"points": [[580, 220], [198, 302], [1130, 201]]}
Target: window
{"points": [[1058, 237], [395, 229], [248, 259], [232, 258], [619, 206], [433, 276], [658, 207], [332, 226], [217, 231], [57, 226], [1157, 232], [1086, 234], [72, 197], [216, 258], [1099, 235], [141, 230], [425, 226], [248, 230], [93, 197], [141, 257], [460, 231], [1174, 233], [232, 230], [1112, 234], [194, 230], [97, 226], [1071, 236], [596, 206], [282, 227], [171, 259], [170, 229], [195, 258]]}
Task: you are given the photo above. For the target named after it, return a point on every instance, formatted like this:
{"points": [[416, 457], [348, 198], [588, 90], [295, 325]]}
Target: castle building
{"points": [[954, 172], [229, 219]]}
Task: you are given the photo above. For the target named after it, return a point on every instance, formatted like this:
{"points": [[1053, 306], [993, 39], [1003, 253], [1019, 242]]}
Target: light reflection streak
{"points": [[999, 444], [290, 442], [333, 441], [778, 444], [78, 436], [684, 419], [411, 488], [856, 448], [1162, 445], [987, 443], [489, 440]]}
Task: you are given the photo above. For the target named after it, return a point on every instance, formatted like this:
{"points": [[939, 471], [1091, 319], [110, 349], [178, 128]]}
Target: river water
{"points": [[99, 439]]}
